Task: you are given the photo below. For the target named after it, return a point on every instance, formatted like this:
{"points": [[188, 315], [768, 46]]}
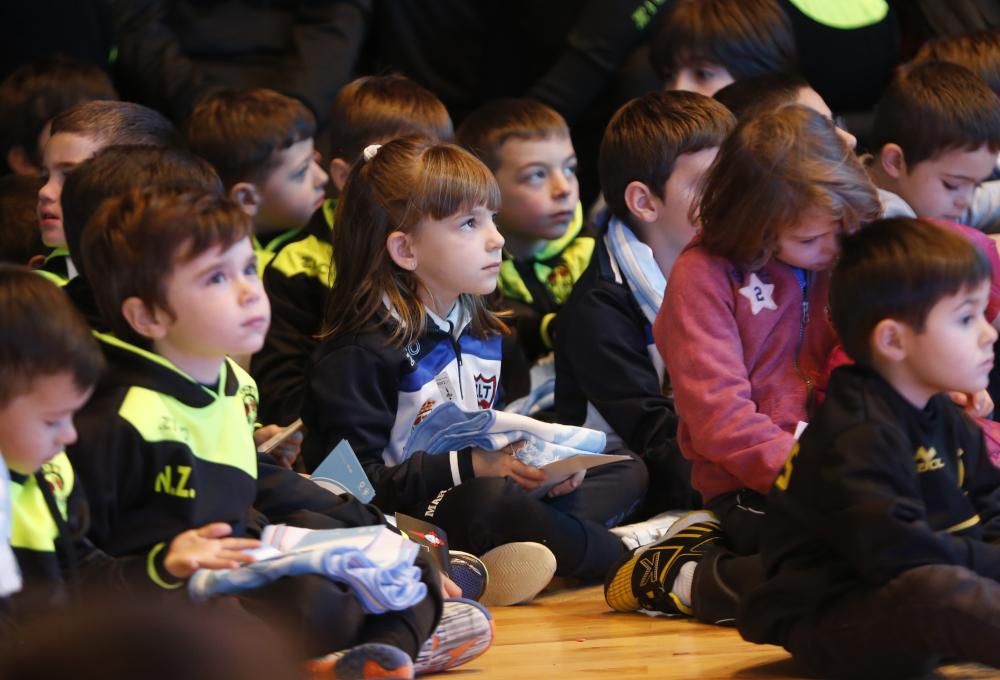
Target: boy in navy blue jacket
{"points": [[653, 156], [880, 545]]}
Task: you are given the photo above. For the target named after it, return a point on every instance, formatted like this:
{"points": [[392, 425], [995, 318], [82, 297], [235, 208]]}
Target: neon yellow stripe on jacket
{"points": [[844, 14], [32, 526]]}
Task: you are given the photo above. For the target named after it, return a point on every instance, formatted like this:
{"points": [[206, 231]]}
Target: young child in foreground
{"points": [[879, 545], [167, 442]]}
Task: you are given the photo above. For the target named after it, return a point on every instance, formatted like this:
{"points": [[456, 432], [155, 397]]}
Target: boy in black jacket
{"points": [[880, 547], [609, 375], [166, 443], [49, 364]]}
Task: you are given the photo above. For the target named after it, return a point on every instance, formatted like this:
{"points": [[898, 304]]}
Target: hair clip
{"points": [[370, 151]]}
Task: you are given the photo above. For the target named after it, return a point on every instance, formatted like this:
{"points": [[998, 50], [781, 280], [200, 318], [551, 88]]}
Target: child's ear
{"points": [[401, 251], [339, 170], [639, 200], [18, 161], [246, 194], [892, 160], [888, 340], [149, 323]]}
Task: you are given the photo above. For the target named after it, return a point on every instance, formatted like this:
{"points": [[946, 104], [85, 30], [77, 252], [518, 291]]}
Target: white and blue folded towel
{"points": [[449, 428], [378, 588], [634, 260], [542, 394]]}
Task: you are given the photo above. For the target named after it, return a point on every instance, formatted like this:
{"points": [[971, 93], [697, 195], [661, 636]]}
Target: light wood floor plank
{"points": [[572, 634]]}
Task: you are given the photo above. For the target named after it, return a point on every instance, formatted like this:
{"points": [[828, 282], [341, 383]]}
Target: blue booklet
{"points": [[341, 472]]}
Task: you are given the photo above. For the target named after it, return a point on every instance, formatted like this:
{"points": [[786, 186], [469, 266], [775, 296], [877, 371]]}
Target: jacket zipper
{"points": [[458, 357], [804, 287]]}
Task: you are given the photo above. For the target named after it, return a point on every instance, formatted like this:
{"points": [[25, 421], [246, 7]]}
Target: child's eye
{"points": [[251, 268], [535, 177], [808, 241], [217, 277], [570, 170], [704, 74], [468, 225], [949, 186]]}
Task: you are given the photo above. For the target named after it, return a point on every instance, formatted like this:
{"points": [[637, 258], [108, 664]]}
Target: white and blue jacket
{"points": [[371, 393]]}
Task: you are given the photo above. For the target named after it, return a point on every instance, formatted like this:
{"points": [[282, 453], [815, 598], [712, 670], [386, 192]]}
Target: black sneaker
{"points": [[643, 579], [469, 572]]}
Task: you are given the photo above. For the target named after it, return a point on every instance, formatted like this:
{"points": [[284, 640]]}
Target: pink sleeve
{"points": [[697, 336]]}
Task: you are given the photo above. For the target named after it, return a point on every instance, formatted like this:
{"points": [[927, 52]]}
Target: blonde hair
{"points": [[406, 181], [773, 169]]}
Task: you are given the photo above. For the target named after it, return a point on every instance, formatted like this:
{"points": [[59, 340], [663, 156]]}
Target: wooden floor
{"points": [[572, 634]]}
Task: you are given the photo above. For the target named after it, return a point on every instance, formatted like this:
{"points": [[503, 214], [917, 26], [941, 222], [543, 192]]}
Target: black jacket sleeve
{"points": [[353, 395], [170, 54], [605, 32], [152, 63], [279, 368], [867, 480], [286, 497], [602, 358]]}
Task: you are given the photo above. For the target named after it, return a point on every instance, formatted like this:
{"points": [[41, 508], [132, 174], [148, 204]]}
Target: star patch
{"points": [[760, 294]]}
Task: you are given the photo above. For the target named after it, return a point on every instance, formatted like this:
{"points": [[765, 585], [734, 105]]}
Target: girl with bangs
{"points": [[406, 329]]}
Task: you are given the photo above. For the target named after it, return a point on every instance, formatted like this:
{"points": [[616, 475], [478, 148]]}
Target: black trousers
{"points": [[326, 617], [733, 569], [904, 628], [486, 512]]}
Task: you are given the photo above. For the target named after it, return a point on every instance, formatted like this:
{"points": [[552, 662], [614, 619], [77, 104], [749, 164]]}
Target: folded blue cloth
{"points": [[378, 588], [449, 428]]}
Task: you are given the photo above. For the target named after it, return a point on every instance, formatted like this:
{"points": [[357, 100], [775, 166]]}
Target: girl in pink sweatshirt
{"points": [[743, 329]]}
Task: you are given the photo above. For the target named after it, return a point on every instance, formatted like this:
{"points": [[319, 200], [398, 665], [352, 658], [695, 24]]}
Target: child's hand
{"points": [[978, 405], [568, 485], [206, 548], [286, 452], [502, 463]]}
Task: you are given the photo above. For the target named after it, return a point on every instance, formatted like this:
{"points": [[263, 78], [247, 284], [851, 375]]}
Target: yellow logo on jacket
{"points": [[927, 460], [173, 480]]}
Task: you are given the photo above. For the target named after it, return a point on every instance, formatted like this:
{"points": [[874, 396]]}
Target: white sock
{"points": [[682, 584]]}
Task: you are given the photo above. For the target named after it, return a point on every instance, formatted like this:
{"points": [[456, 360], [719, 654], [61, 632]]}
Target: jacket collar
{"points": [[131, 365]]}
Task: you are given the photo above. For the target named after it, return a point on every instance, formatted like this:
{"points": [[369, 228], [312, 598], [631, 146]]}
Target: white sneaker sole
{"points": [[518, 572]]}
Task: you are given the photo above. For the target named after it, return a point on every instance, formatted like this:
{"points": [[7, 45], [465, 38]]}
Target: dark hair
{"points": [[486, 129], [42, 335], [35, 93], [135, 240], [747, 96], [375, 109], [20, 239], [747, 37], [115, 169], [646, 135], [407, 180], [898, 269], [978, 51], [113, 122], [934, 107], [773, 169], [242, 132]]}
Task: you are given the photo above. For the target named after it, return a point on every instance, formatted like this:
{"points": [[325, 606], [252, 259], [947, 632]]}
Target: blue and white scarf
{"points": [[634, 261]]}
